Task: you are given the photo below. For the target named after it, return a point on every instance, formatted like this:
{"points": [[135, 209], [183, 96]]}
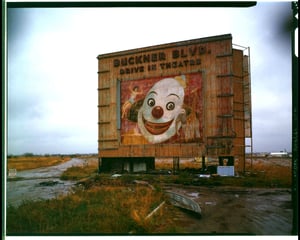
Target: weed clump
{"points": [[106, 210]]}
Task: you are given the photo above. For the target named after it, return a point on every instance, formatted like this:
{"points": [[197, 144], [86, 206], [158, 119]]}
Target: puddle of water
{"points": [[30, 188]]}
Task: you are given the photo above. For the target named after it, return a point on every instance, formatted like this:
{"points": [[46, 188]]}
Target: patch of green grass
{"points": [[13, 179], [76, 173]]}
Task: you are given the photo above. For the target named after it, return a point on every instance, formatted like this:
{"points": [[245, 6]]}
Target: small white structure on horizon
{"points": [[279, 154]]}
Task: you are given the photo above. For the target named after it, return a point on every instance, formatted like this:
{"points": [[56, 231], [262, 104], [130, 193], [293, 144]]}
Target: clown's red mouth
{"points": [[156, 128]]}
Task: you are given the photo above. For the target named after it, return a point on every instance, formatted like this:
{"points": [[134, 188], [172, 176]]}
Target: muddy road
{"points": [[40, 183], [236, 210]]}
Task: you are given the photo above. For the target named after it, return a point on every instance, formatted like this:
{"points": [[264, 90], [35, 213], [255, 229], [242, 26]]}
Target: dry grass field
{"points": [[103, 204], [31, 162], [276, 169]]}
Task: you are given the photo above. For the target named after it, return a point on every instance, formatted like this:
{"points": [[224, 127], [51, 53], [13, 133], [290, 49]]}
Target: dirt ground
{"points": [[236, 210], [240, 210]]}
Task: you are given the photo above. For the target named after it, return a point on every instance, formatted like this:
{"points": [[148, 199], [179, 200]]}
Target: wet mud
{"points": [[236, 210]]}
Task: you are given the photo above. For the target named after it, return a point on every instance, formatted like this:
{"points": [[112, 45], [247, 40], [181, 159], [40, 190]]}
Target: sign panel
{"points": [[12, 172], [162, 110], [225, 170]]}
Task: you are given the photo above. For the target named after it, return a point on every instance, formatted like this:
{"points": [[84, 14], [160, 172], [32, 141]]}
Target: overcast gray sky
{"points": [[52, 67]]}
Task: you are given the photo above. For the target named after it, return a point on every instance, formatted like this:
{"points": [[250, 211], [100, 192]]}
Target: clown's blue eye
{"points": [[151, 102], [170, 106]]}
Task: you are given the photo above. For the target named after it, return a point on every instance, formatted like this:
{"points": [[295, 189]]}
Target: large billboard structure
{"points": [[184, 99]]}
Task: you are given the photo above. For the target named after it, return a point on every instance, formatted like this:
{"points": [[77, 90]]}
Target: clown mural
{"points": [[162, 110], [158, 118]]}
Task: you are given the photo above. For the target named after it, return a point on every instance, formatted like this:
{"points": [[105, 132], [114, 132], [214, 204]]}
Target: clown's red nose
{"points": [[157, 112]]}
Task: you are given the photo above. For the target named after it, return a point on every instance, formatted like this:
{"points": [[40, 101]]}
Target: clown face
{"points": [[157, 118]]}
